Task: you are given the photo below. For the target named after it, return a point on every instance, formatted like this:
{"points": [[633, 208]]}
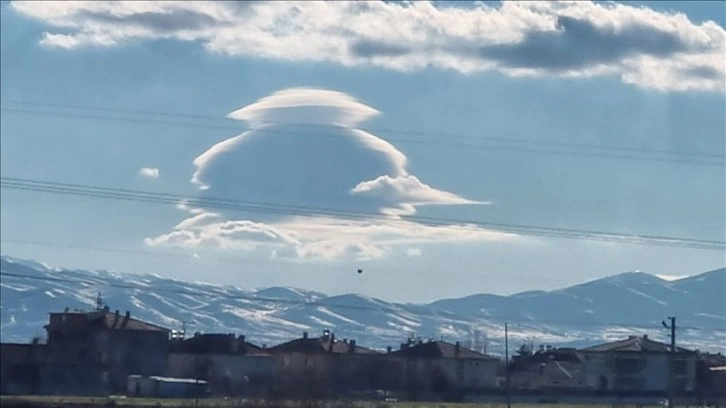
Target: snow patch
{"points": [[637, 292]]}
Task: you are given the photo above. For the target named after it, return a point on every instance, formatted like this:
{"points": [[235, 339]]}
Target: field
{"points": [[84, 402]]}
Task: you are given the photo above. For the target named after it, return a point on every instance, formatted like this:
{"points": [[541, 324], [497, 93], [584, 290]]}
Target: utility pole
{"points": [[671, 359], [506, 363]]}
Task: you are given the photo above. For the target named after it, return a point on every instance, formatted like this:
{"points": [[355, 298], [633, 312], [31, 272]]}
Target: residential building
{"points": [[638, 364], [319, 366], [94, 352], [86, 353], [548, 369], [231, 365], [439, 367]]}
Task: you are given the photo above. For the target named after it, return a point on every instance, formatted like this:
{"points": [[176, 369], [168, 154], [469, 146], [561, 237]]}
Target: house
{"points": [[86, 353], [94, 352], [318, 366], [230, 364], [550, 369], [439, 367], [638, 364]]}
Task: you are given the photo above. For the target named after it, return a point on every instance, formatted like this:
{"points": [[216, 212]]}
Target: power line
{"points": [[283, 209], [316, 303], [442, 276], [697, 158], [382, 130], [93, 248]]}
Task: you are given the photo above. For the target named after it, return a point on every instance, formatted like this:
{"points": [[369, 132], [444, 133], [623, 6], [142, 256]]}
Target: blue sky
{"points": [[618, 90]]}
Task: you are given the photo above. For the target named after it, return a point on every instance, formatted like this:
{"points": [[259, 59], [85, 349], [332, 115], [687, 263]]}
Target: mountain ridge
{"points": [[582, 314]]}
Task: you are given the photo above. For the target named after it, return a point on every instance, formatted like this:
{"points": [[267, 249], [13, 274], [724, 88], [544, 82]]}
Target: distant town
{"points": [[104, 352]]}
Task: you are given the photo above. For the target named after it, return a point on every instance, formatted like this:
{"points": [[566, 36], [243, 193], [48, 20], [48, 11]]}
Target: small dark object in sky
{"points": [[360, 270]]}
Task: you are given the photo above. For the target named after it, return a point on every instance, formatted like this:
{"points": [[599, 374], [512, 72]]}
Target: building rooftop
{"points": [[635, 344], [439, 349], [105, 319], [217, 344], [324, 344]]}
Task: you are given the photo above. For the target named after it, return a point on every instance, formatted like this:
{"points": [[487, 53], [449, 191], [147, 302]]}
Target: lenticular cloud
{"points": [[312, 185]]}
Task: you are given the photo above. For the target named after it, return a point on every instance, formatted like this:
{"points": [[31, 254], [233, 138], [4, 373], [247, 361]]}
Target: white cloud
{"points": [[305, 106], [413, 252], [647, 48], [324, 191], [407, 191], [322, 238], [149, 172]]}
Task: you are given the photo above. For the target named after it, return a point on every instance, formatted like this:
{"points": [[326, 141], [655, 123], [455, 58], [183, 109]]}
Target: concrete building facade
{"points": [[638, 364]]}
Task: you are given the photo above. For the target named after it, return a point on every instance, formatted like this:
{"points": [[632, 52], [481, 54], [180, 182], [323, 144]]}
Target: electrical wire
{"points": [[449, 136], [281, 209], [240, 260], [303, 211], [697, 158]]}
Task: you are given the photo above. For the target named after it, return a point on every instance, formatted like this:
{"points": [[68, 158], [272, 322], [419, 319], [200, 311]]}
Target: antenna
{"points": [[181, 335], [99, 302]]}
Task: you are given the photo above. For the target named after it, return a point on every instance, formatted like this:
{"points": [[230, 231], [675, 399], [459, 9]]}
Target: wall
{"points": [[228, 374], [127, 352], [19, 371], [108, 355], [304, 374], [138, 386], [625, 371], [439, 375]]}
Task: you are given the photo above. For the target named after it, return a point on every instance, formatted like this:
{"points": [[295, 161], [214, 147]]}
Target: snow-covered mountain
{"points": [[601, 310]]}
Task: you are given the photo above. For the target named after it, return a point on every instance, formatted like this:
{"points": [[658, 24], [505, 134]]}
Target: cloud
{"points": [[643, 47], [577, 44], [149, 172], [306, 106], [407, 191], [413, 252], [303, 183]]}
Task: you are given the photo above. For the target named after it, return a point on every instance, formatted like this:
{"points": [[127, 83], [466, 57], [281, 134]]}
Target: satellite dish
{"points": [[360, 270]]}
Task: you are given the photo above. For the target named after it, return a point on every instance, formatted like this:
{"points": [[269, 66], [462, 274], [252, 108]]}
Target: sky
{"points": [[401, 142]]}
